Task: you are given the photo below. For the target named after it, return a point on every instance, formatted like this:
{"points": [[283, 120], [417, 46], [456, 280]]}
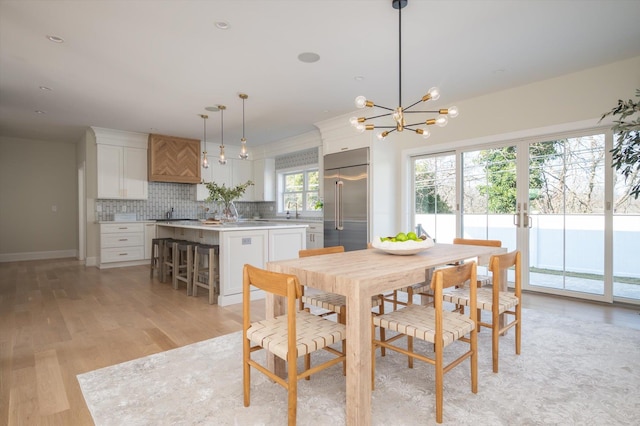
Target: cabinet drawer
{"points": [[122, 254], [122, 240], [315, 227], [121, 227]]}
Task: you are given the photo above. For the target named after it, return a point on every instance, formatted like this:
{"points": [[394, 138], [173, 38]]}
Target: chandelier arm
{"points": [[414, 124], [413, 104], [383, 107], [377, 116], [422, 112], [385, 127]]}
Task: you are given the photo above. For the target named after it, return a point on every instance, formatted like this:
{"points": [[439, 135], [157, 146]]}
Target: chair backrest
{"points": [[449, 277], [319, 251], [279, 284], [474, 242], [498, 265]]}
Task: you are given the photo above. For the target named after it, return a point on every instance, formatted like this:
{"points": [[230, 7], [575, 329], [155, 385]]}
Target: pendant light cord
{"points": [[399, 55]]}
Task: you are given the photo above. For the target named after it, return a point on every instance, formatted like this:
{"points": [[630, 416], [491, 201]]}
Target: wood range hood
{"points": [[174, 159]]}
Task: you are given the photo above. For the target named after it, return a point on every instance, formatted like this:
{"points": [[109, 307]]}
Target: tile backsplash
{"points": [[164, 196]]}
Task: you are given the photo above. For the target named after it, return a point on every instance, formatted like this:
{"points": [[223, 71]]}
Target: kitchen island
{"points": [[253, 242]]}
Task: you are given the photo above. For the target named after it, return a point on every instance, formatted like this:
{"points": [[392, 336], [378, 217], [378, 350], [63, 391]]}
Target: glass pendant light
{"points": [[243, 142], [222, 160], [205, 161]]}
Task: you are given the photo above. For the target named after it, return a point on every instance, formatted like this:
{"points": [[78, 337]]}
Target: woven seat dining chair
{"points": [[495, 301], [436, 325], [483, 279], [288, 336]]}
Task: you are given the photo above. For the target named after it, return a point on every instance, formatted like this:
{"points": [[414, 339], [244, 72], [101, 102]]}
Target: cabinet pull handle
{"points": [[123, 239], [123, 254]]}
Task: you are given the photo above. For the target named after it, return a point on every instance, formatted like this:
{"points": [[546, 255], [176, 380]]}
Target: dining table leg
{"points": [[358, 381]]}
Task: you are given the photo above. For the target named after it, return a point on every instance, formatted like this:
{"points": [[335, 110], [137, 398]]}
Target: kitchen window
{"points": [[299, 190]]}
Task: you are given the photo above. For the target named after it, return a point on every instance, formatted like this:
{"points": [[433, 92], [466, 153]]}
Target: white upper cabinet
{"points": [[235, 172], [264, 178], [242, 171], [121, 165]]}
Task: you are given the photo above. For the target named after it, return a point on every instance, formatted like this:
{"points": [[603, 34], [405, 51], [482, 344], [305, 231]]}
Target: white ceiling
{"points": [[154, 65]]}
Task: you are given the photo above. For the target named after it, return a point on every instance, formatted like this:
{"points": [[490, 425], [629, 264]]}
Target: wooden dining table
{"points": [[359, 275]]}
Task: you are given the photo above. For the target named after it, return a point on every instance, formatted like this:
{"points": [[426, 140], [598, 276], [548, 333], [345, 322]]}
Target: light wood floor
{"points": [[59, 319]]}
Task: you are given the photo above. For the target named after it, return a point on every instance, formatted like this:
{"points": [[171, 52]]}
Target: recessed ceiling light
{"points": [[358, 78], [38, 111], [221, 25], [308, 57], [55, 39], [212, 108], [48, 89]]}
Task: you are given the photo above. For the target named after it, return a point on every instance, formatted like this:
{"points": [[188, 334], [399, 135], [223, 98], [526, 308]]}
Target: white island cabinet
{"points": [[255, 243]]}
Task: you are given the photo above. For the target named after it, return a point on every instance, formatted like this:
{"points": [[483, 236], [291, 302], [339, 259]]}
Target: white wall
{"points": [[35, 176]]}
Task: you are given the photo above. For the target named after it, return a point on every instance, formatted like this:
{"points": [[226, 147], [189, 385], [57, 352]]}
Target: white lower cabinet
{"points": [[121, 244], [315, 235], [236, 249], [256, 248], [149, 235]]}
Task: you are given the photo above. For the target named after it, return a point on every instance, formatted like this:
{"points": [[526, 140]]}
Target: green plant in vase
{"points": [[226, 196]]}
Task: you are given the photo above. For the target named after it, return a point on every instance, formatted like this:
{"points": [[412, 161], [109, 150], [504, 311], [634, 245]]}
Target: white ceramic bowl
{"points": [[404, 248]]}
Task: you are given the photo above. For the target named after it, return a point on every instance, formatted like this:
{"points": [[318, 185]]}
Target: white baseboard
{"points": [[38, 255]]}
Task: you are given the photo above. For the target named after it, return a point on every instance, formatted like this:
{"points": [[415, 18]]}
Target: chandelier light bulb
{"points": [[360, 127], [434, 92], [442, 120], [382, 135], [353, 121], [453, 112], [361, 102], [424, 132]]}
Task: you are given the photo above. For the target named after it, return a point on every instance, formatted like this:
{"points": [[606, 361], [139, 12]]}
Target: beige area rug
{"points": [[569, 373]]}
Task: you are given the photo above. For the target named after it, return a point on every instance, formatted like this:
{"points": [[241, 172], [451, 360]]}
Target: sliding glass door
{"points": [[566, 216], [556, 199], [434, 196], [626, 239]]}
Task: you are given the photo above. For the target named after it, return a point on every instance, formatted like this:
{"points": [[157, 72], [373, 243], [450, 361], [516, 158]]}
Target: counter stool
{"points": [[206, 270], [167, 258], [157, 256], [183, 264]]}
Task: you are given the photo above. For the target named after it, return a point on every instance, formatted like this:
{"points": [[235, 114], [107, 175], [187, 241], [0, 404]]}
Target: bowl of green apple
{"points": [[403, 244]]}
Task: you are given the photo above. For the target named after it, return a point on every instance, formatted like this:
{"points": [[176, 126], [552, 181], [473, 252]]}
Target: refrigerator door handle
{"points": [[338, 204]]}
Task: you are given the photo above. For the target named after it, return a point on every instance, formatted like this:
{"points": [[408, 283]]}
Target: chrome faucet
{"points": [[295, 205]]}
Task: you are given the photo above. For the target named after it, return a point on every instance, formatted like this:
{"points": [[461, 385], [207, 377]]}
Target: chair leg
{"points": [[342, 319], [439, 366], [383, 350], [307, 365], [246, 372], [292, 390], [495, 336], [518, 328], [410, 349], [373, 357], [474, 361]]}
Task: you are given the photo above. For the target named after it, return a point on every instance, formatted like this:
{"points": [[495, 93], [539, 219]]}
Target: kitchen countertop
{"points": [[233, 226]]}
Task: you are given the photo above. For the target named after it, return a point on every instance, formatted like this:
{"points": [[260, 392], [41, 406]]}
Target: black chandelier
{"points": [[398, 114]]}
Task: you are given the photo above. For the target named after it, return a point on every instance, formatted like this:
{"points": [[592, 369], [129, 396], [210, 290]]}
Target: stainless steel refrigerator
{"points": [[346, 199]]}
